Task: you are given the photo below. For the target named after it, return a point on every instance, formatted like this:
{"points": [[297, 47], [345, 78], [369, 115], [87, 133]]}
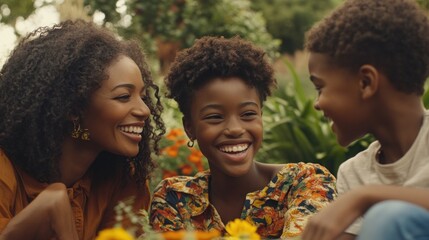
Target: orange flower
{"points": [[186, 169], [174, 134], [181, 142], [172, 151], [174, 235], [195, 156], [168, 173], [201, 235], [199, 166]]}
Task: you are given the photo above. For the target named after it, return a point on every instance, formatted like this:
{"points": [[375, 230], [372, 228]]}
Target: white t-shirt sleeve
{"points": [[342, 187]]}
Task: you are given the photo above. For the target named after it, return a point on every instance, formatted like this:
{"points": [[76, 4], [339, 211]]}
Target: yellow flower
{"points": [[114, 234], [241, 229], [174, 235], [197, 235]]}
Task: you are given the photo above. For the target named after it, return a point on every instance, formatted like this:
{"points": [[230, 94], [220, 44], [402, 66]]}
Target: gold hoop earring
{"points": [[190, 143], [78, 132]]}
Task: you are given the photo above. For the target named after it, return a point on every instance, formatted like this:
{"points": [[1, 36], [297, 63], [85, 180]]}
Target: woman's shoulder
{"points": [[8, 176], [7, 169], [4, 160]]}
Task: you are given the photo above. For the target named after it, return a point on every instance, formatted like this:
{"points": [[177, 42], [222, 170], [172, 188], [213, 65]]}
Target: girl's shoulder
{"points": [[187, 184], [269, 169], [295, 170]]}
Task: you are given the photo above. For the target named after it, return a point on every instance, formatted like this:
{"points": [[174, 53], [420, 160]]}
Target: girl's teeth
{"points": [[235, 148]]}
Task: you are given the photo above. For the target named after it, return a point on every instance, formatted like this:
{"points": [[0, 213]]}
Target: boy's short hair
{"points": [[218, 57], [391, 35]]}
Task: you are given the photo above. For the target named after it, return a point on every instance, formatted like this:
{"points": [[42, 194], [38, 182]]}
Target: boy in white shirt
{"points": [[369, 61]]}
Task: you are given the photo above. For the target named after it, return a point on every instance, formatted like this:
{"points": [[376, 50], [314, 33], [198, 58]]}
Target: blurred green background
{"points": [[294, 130]]}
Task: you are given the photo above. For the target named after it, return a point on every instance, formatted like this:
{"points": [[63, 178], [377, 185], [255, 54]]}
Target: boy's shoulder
{"points": [[362, 160]]}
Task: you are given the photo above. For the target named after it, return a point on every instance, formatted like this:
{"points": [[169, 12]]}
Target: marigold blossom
{"points": [[114, 234], [241, 229]]}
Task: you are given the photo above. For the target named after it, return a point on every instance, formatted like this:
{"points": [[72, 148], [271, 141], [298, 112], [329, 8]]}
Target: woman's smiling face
{"points": [[116, 114], [226, 120]]}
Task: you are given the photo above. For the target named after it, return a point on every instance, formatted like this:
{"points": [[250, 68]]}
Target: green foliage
{"points": [[108, 7], [183, 21], [426, 98], [21, 8], [289, 20], [295, 132], [424, 4]]}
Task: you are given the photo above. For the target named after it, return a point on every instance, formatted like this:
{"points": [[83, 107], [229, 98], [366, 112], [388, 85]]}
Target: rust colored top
{"points": [[92, 201]]}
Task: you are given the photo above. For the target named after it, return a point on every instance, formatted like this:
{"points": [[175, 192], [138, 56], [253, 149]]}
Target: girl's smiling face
{"points": [[116, 114], [226, 120]]}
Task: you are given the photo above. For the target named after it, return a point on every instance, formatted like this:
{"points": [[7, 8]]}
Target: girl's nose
{"points": [[234, 128]]}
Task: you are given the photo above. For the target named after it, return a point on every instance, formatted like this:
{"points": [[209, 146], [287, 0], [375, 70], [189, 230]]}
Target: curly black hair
{"points": [[218, 57], [391, 35], [49, 77]]}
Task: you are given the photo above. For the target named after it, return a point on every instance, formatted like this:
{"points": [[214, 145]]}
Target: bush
{"points": [[289, 20]]}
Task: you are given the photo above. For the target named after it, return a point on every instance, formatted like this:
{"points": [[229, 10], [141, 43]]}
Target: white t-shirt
{"points": [[411, 170]]}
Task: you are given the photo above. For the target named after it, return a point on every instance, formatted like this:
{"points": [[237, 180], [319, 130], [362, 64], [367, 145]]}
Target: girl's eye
{"points": [[213, 116], [249, 114]]}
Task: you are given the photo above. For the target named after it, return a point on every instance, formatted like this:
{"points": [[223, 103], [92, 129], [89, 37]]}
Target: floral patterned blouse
{"points": [[281, 209]]}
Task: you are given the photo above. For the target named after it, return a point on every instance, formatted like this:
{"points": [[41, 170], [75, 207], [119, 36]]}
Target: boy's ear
{"points": [[369, 80], [188, 128]]}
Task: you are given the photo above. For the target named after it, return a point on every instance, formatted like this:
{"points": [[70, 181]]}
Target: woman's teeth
{"points": [[131, 129]]}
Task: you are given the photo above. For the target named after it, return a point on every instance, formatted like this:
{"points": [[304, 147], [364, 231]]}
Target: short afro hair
{"points": [[391, 35], [218, 57]]}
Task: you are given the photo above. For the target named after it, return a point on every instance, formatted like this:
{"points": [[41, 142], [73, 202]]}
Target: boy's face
{"points": [[226, 120], [339, 98]]}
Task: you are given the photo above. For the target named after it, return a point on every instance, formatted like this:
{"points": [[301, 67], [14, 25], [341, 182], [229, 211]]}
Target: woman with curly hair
{"points": [[80, 118], [220, 85], [369, 61]]}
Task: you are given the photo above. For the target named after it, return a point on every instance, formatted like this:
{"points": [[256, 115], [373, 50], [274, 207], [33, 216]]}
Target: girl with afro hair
{"points": [[220, 85]]}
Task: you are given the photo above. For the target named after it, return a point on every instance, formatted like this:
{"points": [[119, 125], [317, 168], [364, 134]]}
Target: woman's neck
{"points": [[75, 160]]}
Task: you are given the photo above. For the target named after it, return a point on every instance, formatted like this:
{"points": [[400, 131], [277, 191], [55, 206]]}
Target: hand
{"points": [[60, 213], [48, 216], [333, 220]]}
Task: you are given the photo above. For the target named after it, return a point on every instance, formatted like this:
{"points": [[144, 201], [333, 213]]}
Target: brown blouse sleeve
{"points": [[8, 189]]}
